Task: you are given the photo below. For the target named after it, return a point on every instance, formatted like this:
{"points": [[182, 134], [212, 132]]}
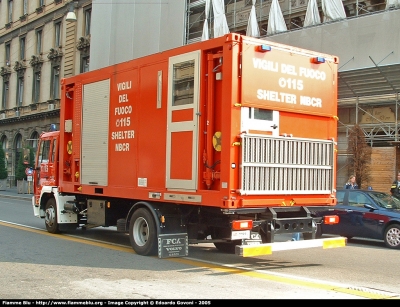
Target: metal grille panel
{"points": [[286, 165]]}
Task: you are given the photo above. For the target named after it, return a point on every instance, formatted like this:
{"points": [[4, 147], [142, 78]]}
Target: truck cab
{"points": [[46, 163]]}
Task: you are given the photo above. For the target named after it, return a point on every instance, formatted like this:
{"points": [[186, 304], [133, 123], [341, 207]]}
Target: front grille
{"points": [[286, 165]]}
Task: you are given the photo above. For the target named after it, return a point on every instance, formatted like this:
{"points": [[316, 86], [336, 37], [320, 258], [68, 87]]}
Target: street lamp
{"points": [[71, 17]]}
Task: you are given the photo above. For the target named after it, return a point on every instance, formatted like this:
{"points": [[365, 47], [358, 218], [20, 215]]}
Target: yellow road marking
{"points": [[70, 238], [216, 267], [286, 280]]}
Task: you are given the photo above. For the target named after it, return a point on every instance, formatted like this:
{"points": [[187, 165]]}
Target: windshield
{"points": [[385, 200]]}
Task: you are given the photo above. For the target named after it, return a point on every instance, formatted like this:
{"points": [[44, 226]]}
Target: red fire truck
{"points": [[230, 141]]}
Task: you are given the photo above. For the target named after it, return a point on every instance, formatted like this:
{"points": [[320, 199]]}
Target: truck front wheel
{"points": [[51, 216], [143, 233]]}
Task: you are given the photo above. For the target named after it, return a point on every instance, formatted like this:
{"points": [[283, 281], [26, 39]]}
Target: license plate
{"points": [[240, 234], [251, 242]]}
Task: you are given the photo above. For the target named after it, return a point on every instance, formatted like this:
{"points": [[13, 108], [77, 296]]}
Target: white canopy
{"points": [[220, 25], [312, 15], [205, 35], [252, 25], [333, 10], [276, 22], [392, 4]]}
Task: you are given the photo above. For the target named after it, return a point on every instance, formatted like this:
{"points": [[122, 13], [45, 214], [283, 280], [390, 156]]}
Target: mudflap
{"points": [[255, 239], [173, 245]]}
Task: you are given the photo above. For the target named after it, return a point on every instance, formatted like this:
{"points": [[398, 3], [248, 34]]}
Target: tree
{"points": [[20, 171], [359, 155], [31, 161], [3, 166], [26, 159]]}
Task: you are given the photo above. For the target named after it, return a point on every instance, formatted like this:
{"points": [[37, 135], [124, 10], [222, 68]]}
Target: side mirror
{"points": [[369, 207]]}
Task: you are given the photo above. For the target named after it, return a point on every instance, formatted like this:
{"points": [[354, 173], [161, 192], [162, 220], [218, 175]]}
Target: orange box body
{"points": [[217, 123]]}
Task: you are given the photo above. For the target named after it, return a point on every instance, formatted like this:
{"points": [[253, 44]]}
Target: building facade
{"points": [[38, 48]]}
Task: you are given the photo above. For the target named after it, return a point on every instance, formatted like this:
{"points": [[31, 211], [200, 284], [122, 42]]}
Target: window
{"points": [[8, 53], [18, 142], [36, 87], [18, 150], [10, 10], [260, 114], [55, 77], [340, 197], [4, 101], [85, 64], [25, 7], [57, 33], [4, 146], [22, 48], [183, 83], [20, 91], [33, 142], [357, 199], [39, 41], [54, 148], [88, 15], [260, 120], [44, 152]]}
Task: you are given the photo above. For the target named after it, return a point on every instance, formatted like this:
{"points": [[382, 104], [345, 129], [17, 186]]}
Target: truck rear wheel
{"points": [[143, 233], [51, 216]]}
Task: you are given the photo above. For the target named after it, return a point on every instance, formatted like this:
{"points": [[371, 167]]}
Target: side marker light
{"points": [[318, 60], [263, 48]]}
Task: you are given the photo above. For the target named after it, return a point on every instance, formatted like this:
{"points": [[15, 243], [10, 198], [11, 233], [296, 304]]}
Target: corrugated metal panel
{"points": [[94, 166], [373, 100], [196, 3], [286, 165], [381, 80]]}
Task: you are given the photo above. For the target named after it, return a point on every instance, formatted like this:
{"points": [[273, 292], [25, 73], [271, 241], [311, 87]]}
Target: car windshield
{"points": [[385, 200]]}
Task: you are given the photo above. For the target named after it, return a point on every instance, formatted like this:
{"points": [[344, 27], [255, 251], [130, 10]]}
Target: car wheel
{"points": [[392, 236]]}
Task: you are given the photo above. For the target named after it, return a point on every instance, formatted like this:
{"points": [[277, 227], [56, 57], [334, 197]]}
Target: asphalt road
{"points": [[100, 264]]}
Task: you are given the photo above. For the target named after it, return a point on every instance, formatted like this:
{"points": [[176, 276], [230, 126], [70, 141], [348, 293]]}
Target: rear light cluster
{"points": [[242, 225], [248, 224], [331, 219]]}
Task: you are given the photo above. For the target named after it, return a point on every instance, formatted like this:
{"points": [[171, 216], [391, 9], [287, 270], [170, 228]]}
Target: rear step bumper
{"points": [[268, 248]]}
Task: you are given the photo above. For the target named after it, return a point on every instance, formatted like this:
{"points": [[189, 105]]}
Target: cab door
{"points": [[46, 166]]}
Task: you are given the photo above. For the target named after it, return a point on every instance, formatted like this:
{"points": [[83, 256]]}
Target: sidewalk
{"points": [[13, 193]]}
